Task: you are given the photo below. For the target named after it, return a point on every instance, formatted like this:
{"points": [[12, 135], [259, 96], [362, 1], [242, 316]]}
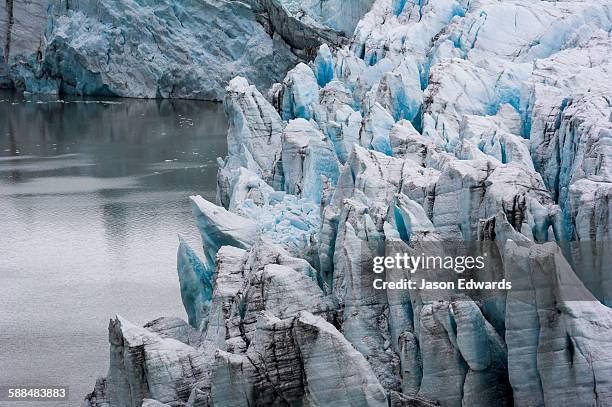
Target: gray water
{"points": [[92, 196]]}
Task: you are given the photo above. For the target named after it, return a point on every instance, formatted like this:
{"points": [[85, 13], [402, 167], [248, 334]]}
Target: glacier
{"points": [[22, 26], [141, 48], [196, 281], [439, 121]]}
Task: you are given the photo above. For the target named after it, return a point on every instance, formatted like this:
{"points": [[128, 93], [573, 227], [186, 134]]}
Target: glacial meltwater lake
{"points": [[93, 193]]}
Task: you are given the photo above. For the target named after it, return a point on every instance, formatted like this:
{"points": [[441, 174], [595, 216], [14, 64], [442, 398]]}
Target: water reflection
{"points": [[112, 133], [114, 215], [92, 196]]}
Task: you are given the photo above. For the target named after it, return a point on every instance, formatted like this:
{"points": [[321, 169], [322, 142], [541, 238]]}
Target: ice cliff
{"points": [[441, 121], [22, 26], [169, 48]]}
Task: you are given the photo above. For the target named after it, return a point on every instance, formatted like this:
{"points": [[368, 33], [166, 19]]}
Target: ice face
{"points": [[291, 222], [156, 350], [575, 133], [554, 374], [375, 131], [467, 189], [301, 94], [308, 160], [324, 66], [308, 347], [410, 217], [171, 49], [340, 15], [87, 49], [441, 121], [399, 91], [254, 137], [196, 279], [23, 24], [219, 227]]}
